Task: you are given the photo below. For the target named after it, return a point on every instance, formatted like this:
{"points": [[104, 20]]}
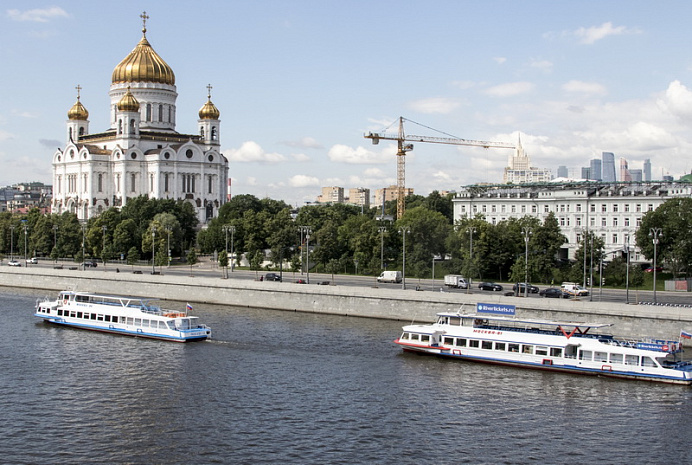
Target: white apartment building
{"points": [[611, 210]]}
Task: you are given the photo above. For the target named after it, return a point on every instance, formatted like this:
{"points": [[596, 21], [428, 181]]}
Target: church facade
{"points": [[141, 153]]}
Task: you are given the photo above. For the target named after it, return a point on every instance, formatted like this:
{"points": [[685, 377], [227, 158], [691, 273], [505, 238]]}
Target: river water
{"points": [[282, 387]]}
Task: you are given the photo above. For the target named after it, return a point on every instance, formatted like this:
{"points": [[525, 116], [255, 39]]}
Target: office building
{"points": [[608, 167]]}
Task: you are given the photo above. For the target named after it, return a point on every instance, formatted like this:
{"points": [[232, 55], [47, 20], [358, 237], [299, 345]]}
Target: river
{"points": [[282, 387]]}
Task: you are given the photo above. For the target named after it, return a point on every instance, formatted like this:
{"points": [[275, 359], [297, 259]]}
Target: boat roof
{"points": [[110, 296], [535, 321]]}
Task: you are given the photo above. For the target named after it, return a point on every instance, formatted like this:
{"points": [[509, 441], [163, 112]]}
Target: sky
{"points": [[298, 83]]}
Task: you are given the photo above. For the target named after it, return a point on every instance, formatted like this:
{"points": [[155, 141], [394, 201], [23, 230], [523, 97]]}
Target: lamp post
{"points": [[232, 229], [153, 250], [470, 232], [11, 242], [627, 274], [403, 231], [433, 273], [83, 251], [591, 272], [25, 234], [655, 233], [381, 229], [306, 231], [103, 246], [526, 232], [168, 231], [226, 228]]}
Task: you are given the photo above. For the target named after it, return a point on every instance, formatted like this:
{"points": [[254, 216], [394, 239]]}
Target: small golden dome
{"points": [[128, 102], [78, 112], [209, 110], [143, 64]]}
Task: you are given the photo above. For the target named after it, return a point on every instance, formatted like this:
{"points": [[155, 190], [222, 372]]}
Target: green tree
{"points": [[223, 263], [133, 256], [674, 248]]}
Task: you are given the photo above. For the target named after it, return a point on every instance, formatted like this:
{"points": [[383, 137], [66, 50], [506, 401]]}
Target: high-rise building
{"points": [[624, 171], [520, 170], [608, 167], [595, 169], [332, 194], [586, 172], [636, 175], [562, 171], [141, 153], [359, 196], [647, 170]]}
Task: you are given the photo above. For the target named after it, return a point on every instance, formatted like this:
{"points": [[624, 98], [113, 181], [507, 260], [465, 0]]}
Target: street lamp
{"points": [[83, 252], [153, 250], [470, 232], [591, 271], [226, 228], [25, 234], [103, 247], [232, 229], [433, 272], [655, 233], [382, 230], [627, 274], [11, 242], [168, 230], [526, 232], [403, 231], [306, 231]]}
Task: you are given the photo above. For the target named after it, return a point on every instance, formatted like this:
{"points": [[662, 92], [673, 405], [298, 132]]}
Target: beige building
{"points": [[520, 170], [333, 194], [387, 194]]}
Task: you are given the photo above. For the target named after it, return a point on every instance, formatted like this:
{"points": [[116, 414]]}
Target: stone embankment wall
{"points": [[387, 303]]}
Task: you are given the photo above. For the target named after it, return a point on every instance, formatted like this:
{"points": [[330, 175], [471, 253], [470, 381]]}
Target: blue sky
{"points": [[298, 83]]}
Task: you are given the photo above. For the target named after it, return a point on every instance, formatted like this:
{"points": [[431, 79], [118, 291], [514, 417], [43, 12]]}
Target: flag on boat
{"points": [[685, 334], [188, 307]]}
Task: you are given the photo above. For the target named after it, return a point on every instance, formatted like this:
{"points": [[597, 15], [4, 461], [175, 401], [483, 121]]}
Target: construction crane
{"points": [[401, 138]]}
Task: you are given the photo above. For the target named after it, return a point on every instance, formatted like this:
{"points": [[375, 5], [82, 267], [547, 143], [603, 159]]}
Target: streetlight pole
{"points": [[25, 234], [591, 272], [153, 250], [232, 229], [83, 251], [586, 232], [11, 243], [526, 232], [305, 230], [627, 274], [103, 246], [403, 231], [168, 230], [470, 232], [655, 233], [381, 229], [226, 228]]}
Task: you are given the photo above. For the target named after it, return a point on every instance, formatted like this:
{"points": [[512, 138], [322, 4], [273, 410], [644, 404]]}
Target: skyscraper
{"points": [[608, 167], [647, 170], [595, 172], [624, 170], [562, 171]]}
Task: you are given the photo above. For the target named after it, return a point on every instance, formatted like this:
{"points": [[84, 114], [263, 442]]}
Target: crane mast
{"points": [[402, 148]]}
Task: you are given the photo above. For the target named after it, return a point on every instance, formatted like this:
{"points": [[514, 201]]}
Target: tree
{"points": [[223, 263], [191, 258], [133, 256]]}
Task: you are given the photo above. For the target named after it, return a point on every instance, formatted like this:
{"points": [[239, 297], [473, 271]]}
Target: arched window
{"points": [[81, 131], [100, 182], [148, 116], [160, 112], [132, 126], [170, 114], [213, 133], [120, 126], [201, 131]]}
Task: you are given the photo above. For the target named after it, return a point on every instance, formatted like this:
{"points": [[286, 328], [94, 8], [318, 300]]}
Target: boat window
{"points": [[138, 322], [500, 346], [415, 337], [556, 351], [145, 323], [73, 314], [171, 325], [107, 317], [423, 337], [487, 345], [59, 312], [616, 358], [93, 316], [449, 341], [648, 362], [513, 347], [526, 349], [461, 342], [600, 356], [128, 320], [541, 350], [631, 360], [99, 317], [474, 343], [455, 321], [79, 314], [404, 336], [443, 320], [114, 319], [585, 355]]}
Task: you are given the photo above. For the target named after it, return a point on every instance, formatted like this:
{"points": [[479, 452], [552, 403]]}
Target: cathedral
{"points": [[141, 153]]}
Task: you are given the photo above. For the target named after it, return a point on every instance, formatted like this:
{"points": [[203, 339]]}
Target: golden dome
{"points": [[128, 102], [209, 110], [143, 64], [78, 112]]}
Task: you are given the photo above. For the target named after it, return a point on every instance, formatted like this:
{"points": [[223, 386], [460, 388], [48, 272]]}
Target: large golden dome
{"points": [[143, 64], [78, 112]]}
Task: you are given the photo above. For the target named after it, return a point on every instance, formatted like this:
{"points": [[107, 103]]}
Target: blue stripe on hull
{"points": [[559, 368], [60, 322]]}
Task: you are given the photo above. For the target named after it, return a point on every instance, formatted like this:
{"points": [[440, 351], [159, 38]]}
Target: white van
{"points": [[389, 277], [574, 289]]}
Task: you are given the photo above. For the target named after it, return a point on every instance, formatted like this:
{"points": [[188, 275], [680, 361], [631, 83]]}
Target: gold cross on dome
{"points": [[209, 90], [144, 21], [79, 88]]}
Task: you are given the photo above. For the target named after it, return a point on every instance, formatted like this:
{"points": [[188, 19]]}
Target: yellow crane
{"points": [[401, 138]]}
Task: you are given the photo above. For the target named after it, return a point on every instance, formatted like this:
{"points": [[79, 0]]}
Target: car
{"points": [[489, 286], [651, 269], [32, 261], [522, 288], [90, 264], [14, 263], [554, 293], [272, 277]]}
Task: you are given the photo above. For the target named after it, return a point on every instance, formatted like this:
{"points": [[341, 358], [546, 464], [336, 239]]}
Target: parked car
{"points": [[522, 288], [14, 263], [90, 264], [651, 269], [489, 286], [32, 261], [554, 293], [272, 277]]}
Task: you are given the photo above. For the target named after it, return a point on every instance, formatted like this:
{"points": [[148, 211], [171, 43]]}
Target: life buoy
{"points": [[64, 302], [665, 347]]}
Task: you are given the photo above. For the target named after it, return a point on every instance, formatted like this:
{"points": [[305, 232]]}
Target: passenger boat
{"points": [[548, 345], [121, 315]]}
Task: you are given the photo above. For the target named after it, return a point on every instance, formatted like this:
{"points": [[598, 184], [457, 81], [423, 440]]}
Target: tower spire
{"points": [[144, 22]]}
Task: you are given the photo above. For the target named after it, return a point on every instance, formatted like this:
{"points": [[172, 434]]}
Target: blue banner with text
{"points": [[497, 309]]}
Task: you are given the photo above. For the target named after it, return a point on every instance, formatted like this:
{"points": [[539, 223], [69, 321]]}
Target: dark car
{"points": [[90, 264], [522, 288], [554, 293], [489, 287], [272, 277]]}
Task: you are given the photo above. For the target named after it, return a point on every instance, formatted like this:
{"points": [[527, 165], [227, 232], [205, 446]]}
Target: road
{"points": [[210, 269]]}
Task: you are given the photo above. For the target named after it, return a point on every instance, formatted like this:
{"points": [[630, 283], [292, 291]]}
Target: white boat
{"points": [[548, 345], [121, 315]]}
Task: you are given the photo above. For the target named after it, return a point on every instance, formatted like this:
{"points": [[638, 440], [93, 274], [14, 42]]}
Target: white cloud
{"points": [[252, 152], [677, 99], [305, 143], [344, 154], [439, 105], [302, 180], [509, 89], [593, 34], [301, 157], [38, 15], [499, 60], [584, 87]]}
